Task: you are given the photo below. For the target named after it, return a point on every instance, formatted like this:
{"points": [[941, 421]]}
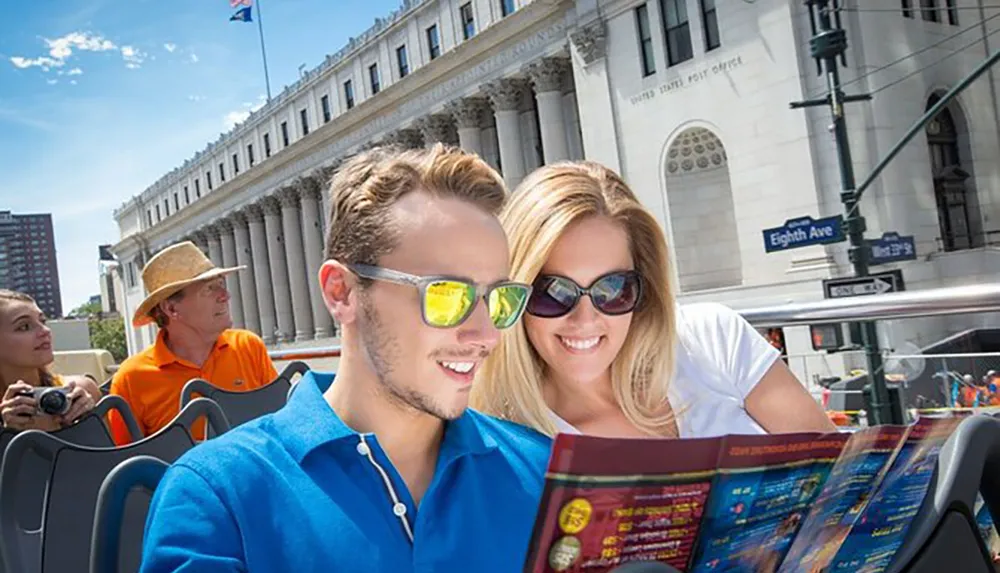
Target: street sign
{"points": [[877, 283], [892, 248], [804, 232]]}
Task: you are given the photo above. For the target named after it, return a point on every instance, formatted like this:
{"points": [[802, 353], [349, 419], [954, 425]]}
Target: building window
{"points": [[907, 8], [402, 61], [304, 120], [177, 201], [284, 134], [952, 12], [149, 217], [187, 196], [208, 179], [468, 20], [433, 41], [197, 188], [678, 31], [373, 78], [222, 172], [710, 20], [267, 145], [166, 211], [158, 216], [930, 10], [349, 94], [324, 103], [250, 158], [645, 41], [506, 7], [950, 181]]}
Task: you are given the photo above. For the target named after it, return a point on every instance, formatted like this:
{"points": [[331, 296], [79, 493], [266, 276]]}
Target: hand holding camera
{"points": [[43, 408]]}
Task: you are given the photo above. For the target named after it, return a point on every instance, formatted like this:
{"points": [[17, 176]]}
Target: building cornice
{"points": [[539, 29]]}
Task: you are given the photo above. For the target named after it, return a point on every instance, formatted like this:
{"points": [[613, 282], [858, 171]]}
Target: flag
{"points": [[242, 16], [235, 3]]}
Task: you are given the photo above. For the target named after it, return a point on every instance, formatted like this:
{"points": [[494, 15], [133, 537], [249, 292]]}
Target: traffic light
{"points": [[828, 337]]}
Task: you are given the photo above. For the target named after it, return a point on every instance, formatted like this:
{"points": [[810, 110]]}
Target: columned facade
{"points": [[225, 227], [516, 115]]}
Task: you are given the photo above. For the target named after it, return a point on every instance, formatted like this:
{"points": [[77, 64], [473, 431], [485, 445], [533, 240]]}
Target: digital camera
{"points": [[51, 401]]}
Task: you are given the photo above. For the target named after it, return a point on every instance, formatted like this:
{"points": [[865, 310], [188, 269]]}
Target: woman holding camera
{"points": [[25, 355]]}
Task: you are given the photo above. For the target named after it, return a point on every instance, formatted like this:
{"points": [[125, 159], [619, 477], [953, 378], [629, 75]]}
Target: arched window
{"points": [[950, 190]]}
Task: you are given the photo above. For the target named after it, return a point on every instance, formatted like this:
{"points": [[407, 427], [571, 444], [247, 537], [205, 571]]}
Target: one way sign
{"points": [[878, 283]]}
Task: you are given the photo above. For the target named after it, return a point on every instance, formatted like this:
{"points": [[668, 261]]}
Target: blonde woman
{"points": [[25, 356], [603, 348]]}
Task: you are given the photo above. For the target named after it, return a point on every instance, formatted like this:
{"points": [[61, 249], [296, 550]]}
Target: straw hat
{"points": [[171, 270]]}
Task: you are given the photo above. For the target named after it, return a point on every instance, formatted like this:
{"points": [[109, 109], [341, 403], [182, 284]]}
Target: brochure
{"points": [[770, 503]]}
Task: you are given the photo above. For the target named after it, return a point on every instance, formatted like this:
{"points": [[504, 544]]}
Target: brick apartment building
{"points": [[28, 259]]}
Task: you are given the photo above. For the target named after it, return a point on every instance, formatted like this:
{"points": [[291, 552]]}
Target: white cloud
{"points": [[43, 62], [234, 117], [194, 58], [61, 49], [169, 47], [75, 72], [239, 116], [132, 56], [72, 82], [52, 82], [196, 98]]}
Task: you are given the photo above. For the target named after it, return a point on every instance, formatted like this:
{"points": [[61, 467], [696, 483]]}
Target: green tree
{"points": [[86, 310], [109, 334]]}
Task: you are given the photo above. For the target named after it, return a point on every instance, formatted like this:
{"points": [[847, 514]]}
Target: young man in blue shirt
{"points": [[383, 469]]}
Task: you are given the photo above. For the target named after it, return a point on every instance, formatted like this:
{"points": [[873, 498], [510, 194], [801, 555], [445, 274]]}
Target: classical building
{"points": [[689, 99]]}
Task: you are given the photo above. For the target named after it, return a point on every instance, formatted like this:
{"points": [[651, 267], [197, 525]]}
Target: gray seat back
{"points": [[120, 520], [91, 430], [75, 476], [240, 407]]}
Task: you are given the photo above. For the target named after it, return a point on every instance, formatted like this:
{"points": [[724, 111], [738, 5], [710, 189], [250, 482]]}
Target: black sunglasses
{"points": [[613, 294]]}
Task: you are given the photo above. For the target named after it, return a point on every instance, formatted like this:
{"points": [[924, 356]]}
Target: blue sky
{"points": [[99, 98]]}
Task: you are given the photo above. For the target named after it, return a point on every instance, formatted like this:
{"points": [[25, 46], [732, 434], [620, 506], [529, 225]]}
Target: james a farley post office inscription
{"points": [[688, 79]]}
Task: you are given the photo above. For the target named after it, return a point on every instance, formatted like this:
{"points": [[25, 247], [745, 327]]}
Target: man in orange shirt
{"points": [[188, 300]]}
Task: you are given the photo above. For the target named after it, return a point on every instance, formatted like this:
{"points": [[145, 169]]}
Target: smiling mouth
{"points": [[45, 346], [580, 345], [461, 371]]}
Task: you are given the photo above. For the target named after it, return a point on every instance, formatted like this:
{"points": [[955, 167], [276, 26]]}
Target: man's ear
{"points": [[339, 287]]}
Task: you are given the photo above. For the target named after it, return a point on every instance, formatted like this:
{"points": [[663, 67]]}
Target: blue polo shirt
{"points": [[300, 491]]}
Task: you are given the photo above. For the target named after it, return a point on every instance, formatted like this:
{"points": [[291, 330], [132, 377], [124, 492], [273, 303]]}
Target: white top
{"points": [[719, 360]]}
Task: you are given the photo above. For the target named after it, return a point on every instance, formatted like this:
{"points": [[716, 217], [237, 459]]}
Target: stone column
{"points": [[289, 198], [213, 232], [468, 114], [233, 280], [262, 272], [244, 258], [407, 138], [438, 128], [279, 269], [505, 95], [312, 238], [200, 240], [547, 77]]}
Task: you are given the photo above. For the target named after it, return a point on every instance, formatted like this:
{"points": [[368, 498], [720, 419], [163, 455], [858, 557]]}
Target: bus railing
{"points": [[967, 299]]}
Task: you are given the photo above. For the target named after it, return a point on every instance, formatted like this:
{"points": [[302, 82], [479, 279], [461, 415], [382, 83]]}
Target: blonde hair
{"points": [[45, 377], [364, 190], [538, 213]]}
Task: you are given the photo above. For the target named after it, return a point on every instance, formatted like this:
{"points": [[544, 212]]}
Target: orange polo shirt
{"points": [[151, 381]]}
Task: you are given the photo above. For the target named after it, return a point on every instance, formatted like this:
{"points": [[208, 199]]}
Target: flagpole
{"points": [[263, 54]]}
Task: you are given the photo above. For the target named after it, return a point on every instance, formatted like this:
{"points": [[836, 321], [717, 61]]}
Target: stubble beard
{"points": [[383, 353]]}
